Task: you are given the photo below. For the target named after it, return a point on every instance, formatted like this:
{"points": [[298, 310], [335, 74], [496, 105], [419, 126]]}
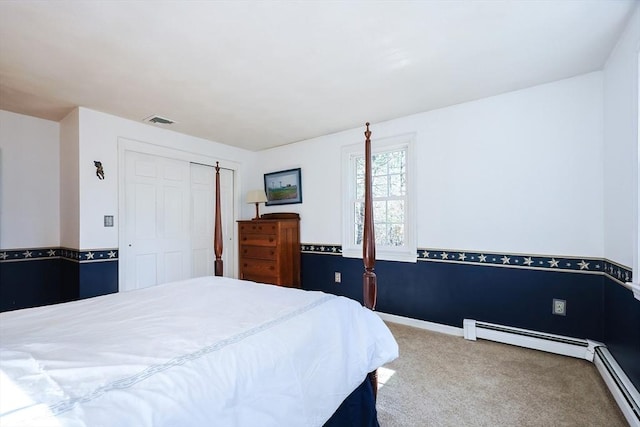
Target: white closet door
{"points": [[157, 195], [227, 201], [203, 217]]}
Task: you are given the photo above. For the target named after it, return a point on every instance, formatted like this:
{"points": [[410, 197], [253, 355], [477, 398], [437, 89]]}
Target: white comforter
{"points": [[201, 352]]}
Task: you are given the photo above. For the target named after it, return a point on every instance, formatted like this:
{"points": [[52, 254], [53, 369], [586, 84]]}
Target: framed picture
{"points": [[283, 188]]}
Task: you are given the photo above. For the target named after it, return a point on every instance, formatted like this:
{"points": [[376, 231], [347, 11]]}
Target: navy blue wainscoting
{"points": [[98, 278], [35, 277], [447, 293], [86, 280], [69, 279], [29, 283], [622, 328], [317, 274]]}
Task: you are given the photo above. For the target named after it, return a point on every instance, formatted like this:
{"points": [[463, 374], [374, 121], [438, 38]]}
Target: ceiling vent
{"points": [[159, 120]]}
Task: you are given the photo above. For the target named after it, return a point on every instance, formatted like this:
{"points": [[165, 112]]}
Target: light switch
{"points": [[108, 220]]}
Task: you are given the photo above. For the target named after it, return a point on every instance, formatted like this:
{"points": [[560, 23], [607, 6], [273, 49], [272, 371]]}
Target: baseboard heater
{"points": [[622, 389]]}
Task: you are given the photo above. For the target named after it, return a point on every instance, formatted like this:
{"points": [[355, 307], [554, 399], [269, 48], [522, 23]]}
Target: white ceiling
{"points": [[258, 74]]}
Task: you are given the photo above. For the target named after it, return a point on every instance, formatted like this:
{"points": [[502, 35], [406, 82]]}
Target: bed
{"points": [[199, 352]]}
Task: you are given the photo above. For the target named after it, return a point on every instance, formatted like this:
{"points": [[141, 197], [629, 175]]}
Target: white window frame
{"points": [[405, 253]]}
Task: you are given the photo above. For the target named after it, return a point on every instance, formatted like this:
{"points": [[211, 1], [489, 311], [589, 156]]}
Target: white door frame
{"points": [[126, 144]]}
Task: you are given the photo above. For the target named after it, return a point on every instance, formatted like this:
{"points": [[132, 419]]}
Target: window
{"points": [[391, 189]]}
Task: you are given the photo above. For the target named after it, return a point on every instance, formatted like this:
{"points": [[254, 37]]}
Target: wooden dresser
{"points": [[269, 249]]}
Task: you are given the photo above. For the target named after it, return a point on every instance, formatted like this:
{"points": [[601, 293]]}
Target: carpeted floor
{"points": [[443, 380]]}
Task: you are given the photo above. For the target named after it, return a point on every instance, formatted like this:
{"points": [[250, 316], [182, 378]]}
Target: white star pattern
{"points": [[89, 255], [51, 252], [425, 254], [112, 254], [483, 258], [3, 255], [27, 254], [462, 256], [505, 259], [444, 255], [528, 261], [333, 249], [553, 262], [583, 265]]}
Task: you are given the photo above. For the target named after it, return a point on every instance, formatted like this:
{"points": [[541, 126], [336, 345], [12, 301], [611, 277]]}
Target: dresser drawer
{"points": [[258, 228], [258, 252], [258, 268], [258, 239]]}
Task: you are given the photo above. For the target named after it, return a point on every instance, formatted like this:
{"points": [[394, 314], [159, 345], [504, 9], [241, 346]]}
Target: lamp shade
{"points": [[256, 196]]}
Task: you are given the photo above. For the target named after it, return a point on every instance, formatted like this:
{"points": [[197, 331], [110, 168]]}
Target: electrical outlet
{"points": [[338, 277], [559, 307]]}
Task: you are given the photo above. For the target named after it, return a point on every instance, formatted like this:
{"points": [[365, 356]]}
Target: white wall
{"points": [[69, 184], [519, 172], [29, 182], [621, 142]]}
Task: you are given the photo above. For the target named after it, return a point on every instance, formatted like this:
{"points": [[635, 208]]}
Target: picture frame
{"points": [[283, 187]]}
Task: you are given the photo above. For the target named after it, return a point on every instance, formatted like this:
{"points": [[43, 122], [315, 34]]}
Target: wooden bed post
{"points": [[217, 233], [369, 281]]}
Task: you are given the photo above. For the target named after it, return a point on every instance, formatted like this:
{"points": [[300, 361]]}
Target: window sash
{"points": [[391, 182]]}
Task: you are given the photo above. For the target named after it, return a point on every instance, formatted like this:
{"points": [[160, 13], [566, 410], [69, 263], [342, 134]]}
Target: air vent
{"points": [[159, 120]]}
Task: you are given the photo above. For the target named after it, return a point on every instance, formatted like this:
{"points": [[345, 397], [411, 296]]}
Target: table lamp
{"points": [[256, 196]]}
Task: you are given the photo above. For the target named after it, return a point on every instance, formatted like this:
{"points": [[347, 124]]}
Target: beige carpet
{"points": [[442, 380]]}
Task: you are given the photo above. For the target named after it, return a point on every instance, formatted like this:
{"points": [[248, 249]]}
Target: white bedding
{"points": [[209, 351]]}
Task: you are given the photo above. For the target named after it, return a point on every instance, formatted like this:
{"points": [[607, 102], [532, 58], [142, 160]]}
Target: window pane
{"points": [[395, 211], [389, 187], [379, 164], [359, 166], [396, 234], [360, 187], [382, 236], [396, 161], [380, 187], [358, 222], [397, 185], [380, 211]]}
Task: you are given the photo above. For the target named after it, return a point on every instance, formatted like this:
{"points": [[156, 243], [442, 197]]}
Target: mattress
{"points": [[199, 352]]}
